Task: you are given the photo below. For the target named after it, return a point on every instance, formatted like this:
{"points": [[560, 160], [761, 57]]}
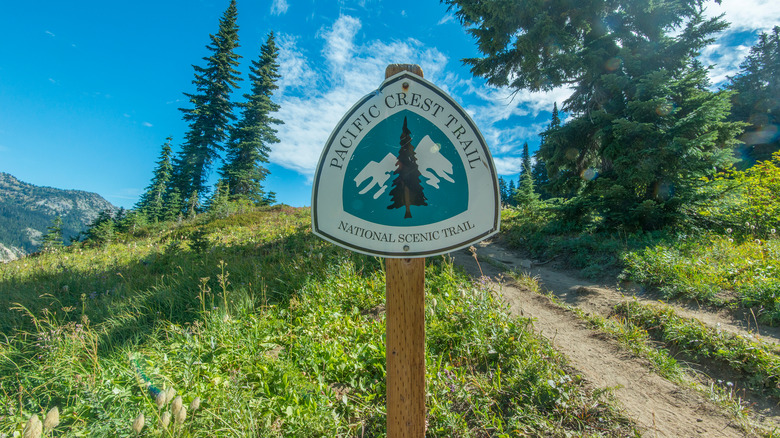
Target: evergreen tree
{"points": [[644, 127], [503, 191], [525, 195], [526, 161], [218, 204], [539, 169], [192, 204], [212, 111], [407, 190], [250, 141], [511, 193], [174, 205], [152, 202], [131, 222], [757, 101], [52, 241], [101, 229]]}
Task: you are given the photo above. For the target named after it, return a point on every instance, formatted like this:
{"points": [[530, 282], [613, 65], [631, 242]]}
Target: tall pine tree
{"points": [[511, 190], [52, 241], [503, 191], [250, 140], [526, 161], [152, 202], [525, 195], [212, 110], [539, 169]]}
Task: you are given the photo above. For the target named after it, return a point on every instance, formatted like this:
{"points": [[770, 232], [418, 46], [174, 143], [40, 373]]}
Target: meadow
{"points": [[247, 325]]}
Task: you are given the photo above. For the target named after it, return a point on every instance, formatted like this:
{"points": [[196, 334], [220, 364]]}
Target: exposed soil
{"points": [[660, 407]]}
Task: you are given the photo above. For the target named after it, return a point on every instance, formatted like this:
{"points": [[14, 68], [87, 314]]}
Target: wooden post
{"points": [[405, 337], [405, 346]]}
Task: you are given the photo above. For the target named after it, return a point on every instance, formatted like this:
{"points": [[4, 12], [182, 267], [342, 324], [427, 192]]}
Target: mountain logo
{"points": [[412, 164], [407, 173]]}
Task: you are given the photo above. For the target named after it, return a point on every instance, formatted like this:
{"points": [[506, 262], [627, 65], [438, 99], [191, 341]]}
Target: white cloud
{"points": [[293, 66], [279, 7], [508, 166], [446, 19], [127, 193], [745, 16], [314, 95], [725, 61], [504, 103], [324, 92], [339, 39], [748, 15], [49, 33], [147, 124]]}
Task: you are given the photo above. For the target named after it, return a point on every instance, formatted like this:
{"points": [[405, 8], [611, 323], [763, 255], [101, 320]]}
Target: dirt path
{"points": [[660, 407]]}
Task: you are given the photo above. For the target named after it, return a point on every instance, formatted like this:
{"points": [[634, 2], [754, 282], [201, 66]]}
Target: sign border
{"points": [[410, 254]]}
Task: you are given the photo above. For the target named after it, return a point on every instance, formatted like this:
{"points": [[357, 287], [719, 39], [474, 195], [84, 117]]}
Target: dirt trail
{"points": [[662, 408]]}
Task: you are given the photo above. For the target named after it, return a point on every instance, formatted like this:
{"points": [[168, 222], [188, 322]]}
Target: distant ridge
{"points": [[26, 210]]}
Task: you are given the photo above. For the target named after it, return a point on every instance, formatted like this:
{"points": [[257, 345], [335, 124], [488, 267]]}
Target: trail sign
{"points": [[405, 173]]}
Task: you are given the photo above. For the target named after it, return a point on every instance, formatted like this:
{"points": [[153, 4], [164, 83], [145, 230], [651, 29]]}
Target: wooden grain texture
{"points": [[397, 68], [405, 346], [405, 335]]}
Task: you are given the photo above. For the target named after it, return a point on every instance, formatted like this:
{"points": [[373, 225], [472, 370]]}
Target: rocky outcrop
{"points": [[10, 254], [26, 212]]}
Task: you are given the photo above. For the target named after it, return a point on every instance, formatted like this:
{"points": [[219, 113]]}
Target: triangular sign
{"points": [[405, 173]]}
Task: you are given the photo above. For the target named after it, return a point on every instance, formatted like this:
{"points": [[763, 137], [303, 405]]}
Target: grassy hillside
{"points": [[263, 330]]}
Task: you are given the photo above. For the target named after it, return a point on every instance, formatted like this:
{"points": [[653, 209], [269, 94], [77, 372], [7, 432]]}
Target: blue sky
{"points": [[89, 90]]}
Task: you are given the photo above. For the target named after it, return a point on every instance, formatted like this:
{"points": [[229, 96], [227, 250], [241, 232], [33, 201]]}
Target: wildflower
{"points": [[52, 418], [176, 405], [195, 405], [165, 420], [33, 428], [747, 224], [729, 230], [138, 423], [180, 415], [160, 399], [170, 393], [758, 242], [772, 231]]}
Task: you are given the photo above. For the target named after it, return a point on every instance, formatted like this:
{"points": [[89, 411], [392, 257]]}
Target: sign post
{"points": [[405, 336], [405, 174]]}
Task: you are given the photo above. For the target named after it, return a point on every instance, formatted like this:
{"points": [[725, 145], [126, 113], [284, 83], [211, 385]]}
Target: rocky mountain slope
{"points": [[27, 210]]}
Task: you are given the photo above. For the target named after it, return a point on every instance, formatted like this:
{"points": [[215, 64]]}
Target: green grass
{"points": [[758, 364], [276, 332], [715, 270]]}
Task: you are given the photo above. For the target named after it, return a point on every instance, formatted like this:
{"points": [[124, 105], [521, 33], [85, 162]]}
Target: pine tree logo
{"points": [[407, 190]]}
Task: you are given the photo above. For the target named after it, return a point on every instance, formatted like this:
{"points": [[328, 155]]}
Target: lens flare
{"points": [[663, 191], [589, 174], [612, 64], [664, 109]]}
